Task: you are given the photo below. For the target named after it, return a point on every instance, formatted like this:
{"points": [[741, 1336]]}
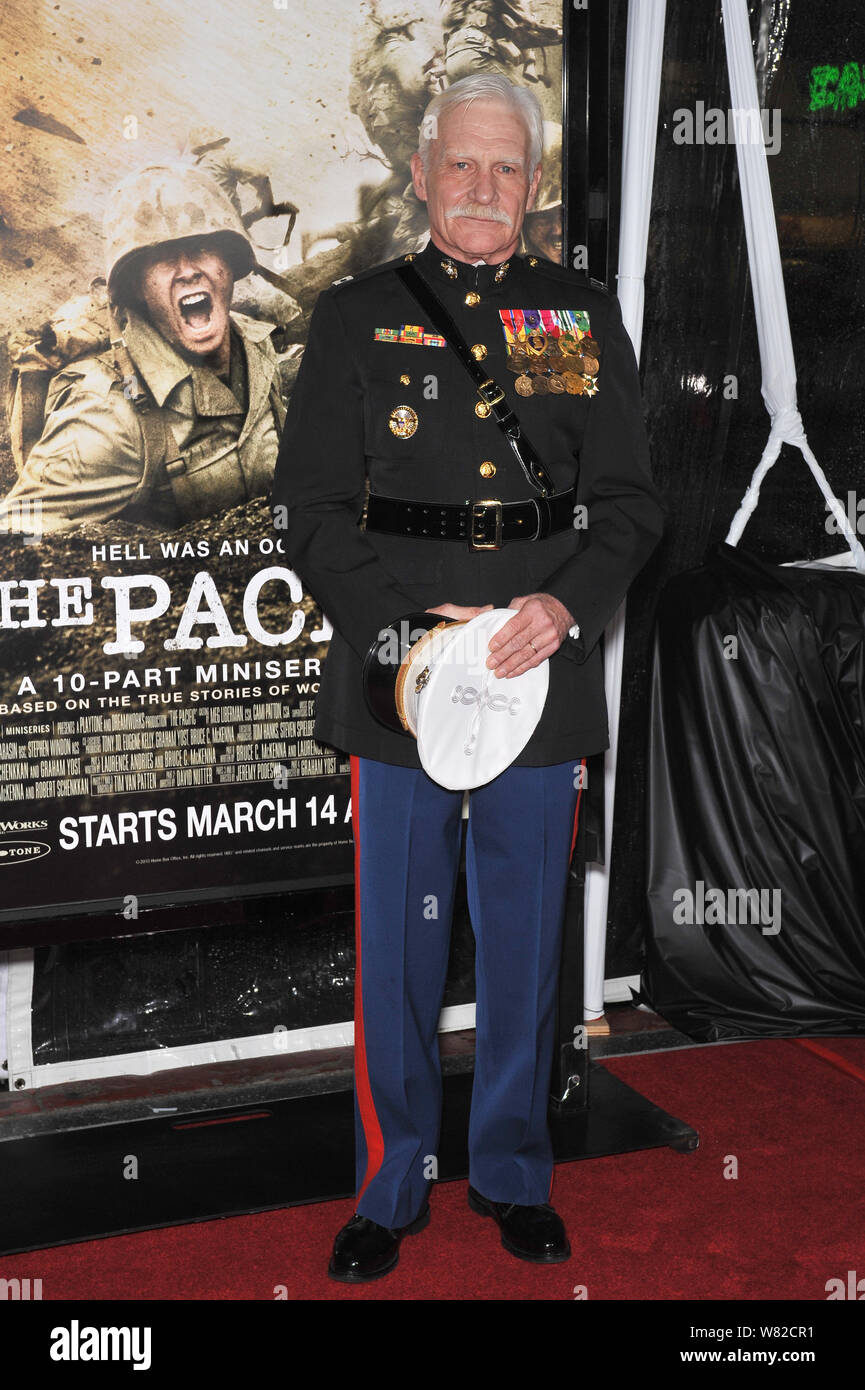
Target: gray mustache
{"points": [[480, 210]]}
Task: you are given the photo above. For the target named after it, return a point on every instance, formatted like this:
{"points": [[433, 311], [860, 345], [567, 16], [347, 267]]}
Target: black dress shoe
{"points": [[531, 1233], [364, 1250]]}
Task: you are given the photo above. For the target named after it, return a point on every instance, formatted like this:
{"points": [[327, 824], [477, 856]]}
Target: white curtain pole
{"points": [[645, 46]]}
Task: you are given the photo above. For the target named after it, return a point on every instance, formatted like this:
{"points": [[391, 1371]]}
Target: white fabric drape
{"points": [[645, 47], [770, 303]]}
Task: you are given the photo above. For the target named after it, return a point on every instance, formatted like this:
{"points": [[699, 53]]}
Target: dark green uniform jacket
{"points": [[338, 432]]}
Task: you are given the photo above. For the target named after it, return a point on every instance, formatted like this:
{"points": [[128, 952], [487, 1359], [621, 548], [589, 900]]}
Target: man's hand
{"points": [[536, 631], [462, 615]]}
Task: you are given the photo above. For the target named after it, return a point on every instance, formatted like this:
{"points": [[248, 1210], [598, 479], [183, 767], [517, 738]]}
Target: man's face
{"points": [[186, 287], [478, 185]]}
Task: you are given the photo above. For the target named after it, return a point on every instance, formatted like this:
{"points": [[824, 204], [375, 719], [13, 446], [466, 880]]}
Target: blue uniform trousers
{"points": [[407, 844]]}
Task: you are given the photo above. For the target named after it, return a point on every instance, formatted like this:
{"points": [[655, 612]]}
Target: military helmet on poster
{"points": [[163, 203]]}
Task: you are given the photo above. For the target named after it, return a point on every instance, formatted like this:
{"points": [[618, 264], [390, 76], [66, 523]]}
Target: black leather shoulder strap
{"points": [[488, 390]]}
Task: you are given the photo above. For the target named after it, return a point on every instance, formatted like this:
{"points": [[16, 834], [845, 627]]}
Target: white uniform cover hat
{"points": [[470, 724]]}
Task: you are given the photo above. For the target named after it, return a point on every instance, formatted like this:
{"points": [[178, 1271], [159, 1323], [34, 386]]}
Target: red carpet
{"points": [[650, 1225]]}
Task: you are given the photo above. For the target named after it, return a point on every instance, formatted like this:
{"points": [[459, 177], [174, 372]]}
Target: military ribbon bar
{"points": [[410, 334]]}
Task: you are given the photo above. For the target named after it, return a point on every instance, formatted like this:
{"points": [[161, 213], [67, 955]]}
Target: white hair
{"points": [[490, 85]]}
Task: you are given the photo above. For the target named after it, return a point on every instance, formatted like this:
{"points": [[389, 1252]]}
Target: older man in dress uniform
{"points": [[525, 484]]}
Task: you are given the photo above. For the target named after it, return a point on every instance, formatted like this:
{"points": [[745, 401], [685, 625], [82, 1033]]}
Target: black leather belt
{"points": [[484, 525]]}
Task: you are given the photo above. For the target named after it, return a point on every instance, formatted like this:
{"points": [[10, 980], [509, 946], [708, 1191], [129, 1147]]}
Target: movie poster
{"points": [[159, 660]]}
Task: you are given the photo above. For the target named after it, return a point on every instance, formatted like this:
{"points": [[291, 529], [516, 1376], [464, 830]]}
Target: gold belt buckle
{"points": [[491, 397], [477, 516]]}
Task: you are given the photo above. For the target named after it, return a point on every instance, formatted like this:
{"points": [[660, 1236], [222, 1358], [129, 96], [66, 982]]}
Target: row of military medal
{"points": [[547, 365]]}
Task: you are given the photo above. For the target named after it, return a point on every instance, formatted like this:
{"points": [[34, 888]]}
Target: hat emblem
{"points": [[468, 695]]}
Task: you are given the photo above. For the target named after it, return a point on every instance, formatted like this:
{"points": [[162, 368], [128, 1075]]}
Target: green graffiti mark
{"points": [[836, 89]]}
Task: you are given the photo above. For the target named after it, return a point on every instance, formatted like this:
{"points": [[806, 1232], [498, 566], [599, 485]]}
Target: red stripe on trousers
{"points": [[573, 842], [577, 811], [369, 1119]]}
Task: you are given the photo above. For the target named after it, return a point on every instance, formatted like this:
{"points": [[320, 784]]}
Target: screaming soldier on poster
{"points": [[174, 414]]}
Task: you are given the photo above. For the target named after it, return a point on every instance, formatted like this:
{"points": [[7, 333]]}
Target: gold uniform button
{"points": [[533, 260], [487, 469], [483, 410], [402, 421], [479, 352], [472, 298], [405, 379]]}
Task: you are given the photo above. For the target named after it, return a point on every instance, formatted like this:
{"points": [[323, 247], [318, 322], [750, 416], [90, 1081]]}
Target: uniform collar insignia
{"points": [[480, 277]]}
